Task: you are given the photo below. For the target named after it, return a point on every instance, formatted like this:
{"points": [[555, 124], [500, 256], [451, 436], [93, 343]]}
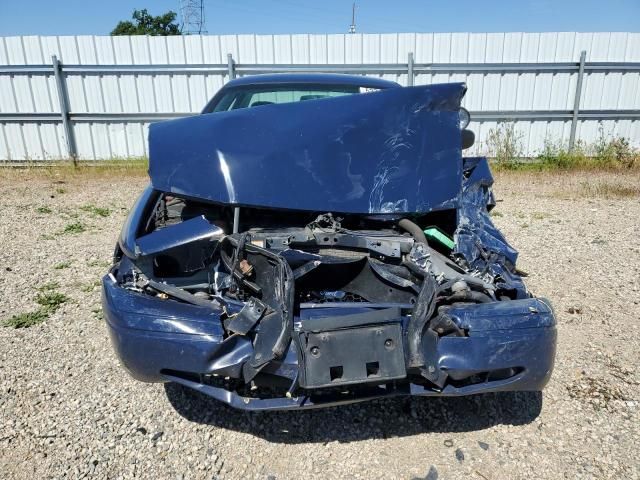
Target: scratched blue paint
{"points": [[397, 150]]}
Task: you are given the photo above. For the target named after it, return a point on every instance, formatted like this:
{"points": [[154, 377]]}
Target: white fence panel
{"points": [[110, 109]]}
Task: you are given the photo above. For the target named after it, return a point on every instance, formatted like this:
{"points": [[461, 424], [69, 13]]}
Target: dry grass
{"points": [[572, 184], [604, 182], [67, 170], [605, 189]]}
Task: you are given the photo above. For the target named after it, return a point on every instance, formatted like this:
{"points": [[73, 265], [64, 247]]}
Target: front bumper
{"points": [[510, 347]]}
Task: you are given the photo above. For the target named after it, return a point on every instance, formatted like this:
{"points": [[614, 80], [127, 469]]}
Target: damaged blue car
{"points": [[313, 240]]}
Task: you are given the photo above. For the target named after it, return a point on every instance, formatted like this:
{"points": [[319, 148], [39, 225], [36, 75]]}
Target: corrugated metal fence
{"points": [[98, 94]]}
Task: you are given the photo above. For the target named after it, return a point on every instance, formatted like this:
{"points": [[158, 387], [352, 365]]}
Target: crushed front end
{"points": [[267, 307]]}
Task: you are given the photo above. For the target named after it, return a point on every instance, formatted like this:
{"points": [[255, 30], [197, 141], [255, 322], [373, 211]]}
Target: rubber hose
{"points": [[415, 231], [425, 304]]}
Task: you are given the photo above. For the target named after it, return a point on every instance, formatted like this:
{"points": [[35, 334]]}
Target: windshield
{"points": [[269, 94]]}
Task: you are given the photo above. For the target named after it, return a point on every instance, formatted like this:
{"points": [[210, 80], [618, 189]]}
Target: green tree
{"points": [[146, 24]]}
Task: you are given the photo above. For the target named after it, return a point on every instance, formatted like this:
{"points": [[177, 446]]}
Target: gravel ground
{"points": [[69, 410]]}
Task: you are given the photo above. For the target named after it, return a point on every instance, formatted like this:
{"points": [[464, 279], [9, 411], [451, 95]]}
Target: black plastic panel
{"points": [[355, 355]]}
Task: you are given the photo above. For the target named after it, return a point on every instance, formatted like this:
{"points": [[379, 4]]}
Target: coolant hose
{"points": [[425, 305], [415, 231]]}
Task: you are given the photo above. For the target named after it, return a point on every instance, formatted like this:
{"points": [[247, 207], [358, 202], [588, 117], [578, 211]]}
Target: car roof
{"points": [[314, 78]]}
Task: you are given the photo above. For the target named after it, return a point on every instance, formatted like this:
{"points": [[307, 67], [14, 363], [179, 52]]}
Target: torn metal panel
{"points": [[194, 230], [247, 318], [483, 248], [393, 151], [136, 220]]}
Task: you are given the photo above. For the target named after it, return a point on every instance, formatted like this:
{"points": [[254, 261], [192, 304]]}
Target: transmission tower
{"points": [[192, 16], [352, 28]]}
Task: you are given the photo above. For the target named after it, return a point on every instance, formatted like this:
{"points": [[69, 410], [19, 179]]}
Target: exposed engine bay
{"points": [[360, 297]]}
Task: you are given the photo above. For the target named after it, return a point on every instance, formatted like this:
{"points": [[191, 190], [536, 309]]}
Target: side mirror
{"points": [[468, 138]]}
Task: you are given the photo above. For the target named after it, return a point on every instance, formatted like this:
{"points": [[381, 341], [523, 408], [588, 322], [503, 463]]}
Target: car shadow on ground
{"points": [[377, 419]]}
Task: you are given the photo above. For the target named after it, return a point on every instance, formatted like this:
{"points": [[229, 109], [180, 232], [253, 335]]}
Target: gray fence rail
{"points": [[68, 119]]}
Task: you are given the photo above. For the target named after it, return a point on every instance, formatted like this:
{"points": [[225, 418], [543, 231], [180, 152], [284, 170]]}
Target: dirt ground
{"points": [[68, 410]]}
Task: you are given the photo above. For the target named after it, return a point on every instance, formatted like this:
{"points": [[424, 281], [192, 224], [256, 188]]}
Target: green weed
{"points": [[609, 151], [96, 211], [505, 145], [74, 228], [97, 313], [26, 320], [51, 300], [48, 299]]}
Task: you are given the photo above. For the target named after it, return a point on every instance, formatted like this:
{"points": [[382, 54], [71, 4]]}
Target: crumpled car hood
{"points": [[392, 151]]}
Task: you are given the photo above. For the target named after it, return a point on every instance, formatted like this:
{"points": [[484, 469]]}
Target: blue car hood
{"points": [[392, 151]]}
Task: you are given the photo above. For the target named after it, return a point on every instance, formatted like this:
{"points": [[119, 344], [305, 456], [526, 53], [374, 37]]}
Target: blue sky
{"points": [[98, 17]]}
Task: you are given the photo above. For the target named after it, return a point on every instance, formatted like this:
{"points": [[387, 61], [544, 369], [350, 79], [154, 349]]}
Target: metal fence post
{"points": [[576, 101], [64, 108], [410, 70], [231, 66]]}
